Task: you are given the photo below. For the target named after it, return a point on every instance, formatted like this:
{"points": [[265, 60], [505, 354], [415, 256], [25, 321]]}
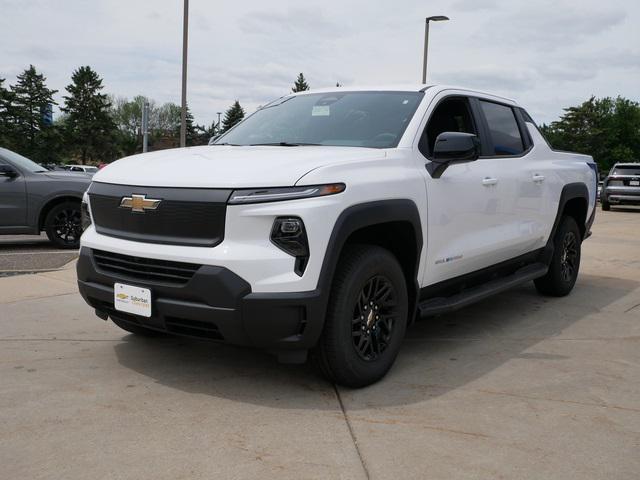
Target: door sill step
{"points": [[439, 305]]}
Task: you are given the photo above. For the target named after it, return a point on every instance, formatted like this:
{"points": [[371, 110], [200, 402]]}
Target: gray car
{"points": [[33, 200], [622, 186]]}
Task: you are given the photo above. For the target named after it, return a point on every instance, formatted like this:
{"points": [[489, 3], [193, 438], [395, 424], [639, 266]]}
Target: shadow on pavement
{"points": [[438, 355]]}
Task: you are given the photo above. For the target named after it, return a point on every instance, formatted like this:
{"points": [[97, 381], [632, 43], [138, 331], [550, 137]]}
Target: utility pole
{"points": [[145, 126], [437, 18], [185, 38]]}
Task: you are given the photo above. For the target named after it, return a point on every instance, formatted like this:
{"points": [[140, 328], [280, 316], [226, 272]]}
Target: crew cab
{"points": [[328, 221], [34, 199], [622, 186]]}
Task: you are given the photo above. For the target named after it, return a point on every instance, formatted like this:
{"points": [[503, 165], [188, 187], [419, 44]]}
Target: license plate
{"points": [[130, 299], [634, 183]]}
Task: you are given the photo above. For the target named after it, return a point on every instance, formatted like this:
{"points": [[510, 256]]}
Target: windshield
{"points": [[23, 163], [626, 170], [356, 119]]}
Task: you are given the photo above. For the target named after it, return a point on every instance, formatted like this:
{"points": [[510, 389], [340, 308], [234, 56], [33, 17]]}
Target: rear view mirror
{"points": [[451, 148], [8, 171]]}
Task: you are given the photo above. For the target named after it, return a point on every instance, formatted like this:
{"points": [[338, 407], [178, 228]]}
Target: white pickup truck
{"points": [[328, 221]]}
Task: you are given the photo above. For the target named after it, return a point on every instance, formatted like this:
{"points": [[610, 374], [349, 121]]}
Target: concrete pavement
{"points": [[518, 386]]}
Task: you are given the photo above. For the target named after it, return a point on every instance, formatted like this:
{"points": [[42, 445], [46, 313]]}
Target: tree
{"points": [[300, 85], [89, 127], [607, 129], [233, 115], [31, 98], [7, 127]]}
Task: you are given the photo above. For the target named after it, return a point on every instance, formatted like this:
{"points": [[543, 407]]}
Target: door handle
{"points": [[488, 181], [538, 178]]}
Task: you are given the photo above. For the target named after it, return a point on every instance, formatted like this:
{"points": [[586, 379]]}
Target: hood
{"points": [[228, 166], [69, 176]]}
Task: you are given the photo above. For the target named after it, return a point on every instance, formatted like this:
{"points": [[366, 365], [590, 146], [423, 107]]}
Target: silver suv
{"points": [[622, 186]]}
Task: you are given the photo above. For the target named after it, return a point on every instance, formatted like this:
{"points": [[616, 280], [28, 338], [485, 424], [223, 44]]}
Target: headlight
{"points": [[85, 213], [290, 236], [279, 194]]}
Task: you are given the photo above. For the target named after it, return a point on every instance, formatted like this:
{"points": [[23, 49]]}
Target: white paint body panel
{"points": [[461, 218]]}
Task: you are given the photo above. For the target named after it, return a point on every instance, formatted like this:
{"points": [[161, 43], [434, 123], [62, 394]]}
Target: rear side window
{"points": [[503, 128]]}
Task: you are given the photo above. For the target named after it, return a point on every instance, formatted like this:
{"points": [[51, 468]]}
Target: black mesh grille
{"points": [[184, 216], [145, 269]]}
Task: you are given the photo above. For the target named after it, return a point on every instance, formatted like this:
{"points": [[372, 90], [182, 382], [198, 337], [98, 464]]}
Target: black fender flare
{"points": [[364, 215], [569, 192]]}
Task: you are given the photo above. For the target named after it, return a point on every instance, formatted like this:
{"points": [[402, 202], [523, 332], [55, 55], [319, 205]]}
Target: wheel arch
{"points": [[391, 224], [574, 202], [51, 203]]}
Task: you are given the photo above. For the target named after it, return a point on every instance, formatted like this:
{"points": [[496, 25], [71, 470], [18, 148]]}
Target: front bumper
{"points": [[215, 304]]}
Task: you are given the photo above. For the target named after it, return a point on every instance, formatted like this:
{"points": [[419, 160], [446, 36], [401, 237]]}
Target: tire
{"points": [[63, 225], [606, 206], [358, 346], [136, 329], [565, 263]]}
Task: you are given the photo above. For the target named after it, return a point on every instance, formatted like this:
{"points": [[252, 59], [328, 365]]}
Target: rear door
{"points": [[522, 177]]}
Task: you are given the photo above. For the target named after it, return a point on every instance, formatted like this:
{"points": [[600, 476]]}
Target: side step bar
{"points": [[439, 305]]}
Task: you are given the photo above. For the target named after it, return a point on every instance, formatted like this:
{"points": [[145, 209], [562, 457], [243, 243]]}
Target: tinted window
{"points": [[503, 128], [626, 170], [20, 162], [451, 115], [357, 119]]}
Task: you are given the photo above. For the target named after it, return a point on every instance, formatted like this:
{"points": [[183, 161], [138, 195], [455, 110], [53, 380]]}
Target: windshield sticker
{"points": [[320, 111]]}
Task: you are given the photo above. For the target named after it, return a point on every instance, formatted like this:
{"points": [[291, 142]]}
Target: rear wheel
{"points": [[63, 225], [606, 206], [366, 317], [565, 263]]}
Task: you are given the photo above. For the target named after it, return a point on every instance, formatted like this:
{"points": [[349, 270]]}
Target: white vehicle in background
{"points": [[328, 221], [81, 168]]}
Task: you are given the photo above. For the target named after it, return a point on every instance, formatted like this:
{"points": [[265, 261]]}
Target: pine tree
{"points": [[300, 85], [233, 115], [31, 98], [89, 126], [7, 127]]}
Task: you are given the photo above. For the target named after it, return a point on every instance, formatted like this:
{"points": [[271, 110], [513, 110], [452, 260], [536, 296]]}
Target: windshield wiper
{"points": [[225, 143], [284, 144]]}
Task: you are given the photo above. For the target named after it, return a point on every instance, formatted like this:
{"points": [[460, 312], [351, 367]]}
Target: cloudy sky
{"points": [[547, 54]]}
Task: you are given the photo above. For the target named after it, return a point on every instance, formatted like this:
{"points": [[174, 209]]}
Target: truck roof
{"points": [[418, 87]]}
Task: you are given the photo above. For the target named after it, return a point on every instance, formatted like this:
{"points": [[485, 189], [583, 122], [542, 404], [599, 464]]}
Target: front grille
{"points": [[184, 216], [144, 269]]}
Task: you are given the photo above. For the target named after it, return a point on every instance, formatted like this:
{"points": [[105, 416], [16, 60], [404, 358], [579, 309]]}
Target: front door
{"points": [[13, 200], [470, 225]]}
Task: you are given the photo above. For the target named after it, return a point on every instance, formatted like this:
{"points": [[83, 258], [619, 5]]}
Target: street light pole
{"points": [[437, 18], [185, 38]]}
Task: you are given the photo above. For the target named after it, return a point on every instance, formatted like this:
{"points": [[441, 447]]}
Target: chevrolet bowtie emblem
{"points": [[139, 203]]}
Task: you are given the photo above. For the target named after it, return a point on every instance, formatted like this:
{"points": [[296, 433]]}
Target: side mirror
{"points": [[451, 148], [8, 171]]}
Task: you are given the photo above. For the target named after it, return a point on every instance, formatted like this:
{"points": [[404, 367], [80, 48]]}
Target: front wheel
{"points": [[565, 263], [606, 206], [366, 317], [63, 225]]}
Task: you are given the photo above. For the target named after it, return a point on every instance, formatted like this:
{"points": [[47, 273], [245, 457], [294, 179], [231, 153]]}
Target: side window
{"points": [[503, 128], [451, 115]]}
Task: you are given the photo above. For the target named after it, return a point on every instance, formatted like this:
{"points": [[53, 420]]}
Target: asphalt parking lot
{"points": [[518, 386], [30, 253]]}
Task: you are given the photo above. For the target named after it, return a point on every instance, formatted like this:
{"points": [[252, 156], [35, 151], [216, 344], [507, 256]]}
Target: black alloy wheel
{"points": [[374, 316], [63, 225]]}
